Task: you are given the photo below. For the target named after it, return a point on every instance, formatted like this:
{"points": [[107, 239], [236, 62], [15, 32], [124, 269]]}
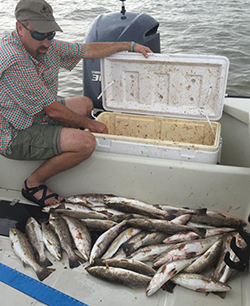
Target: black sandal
{"points": [[29, 192]]}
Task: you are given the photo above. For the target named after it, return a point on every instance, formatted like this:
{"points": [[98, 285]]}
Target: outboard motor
{"points": [[113, 27]]}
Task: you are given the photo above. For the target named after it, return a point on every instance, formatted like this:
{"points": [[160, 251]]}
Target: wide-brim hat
{"points": [[38, 13]]}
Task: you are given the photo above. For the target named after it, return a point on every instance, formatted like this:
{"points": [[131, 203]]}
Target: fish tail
{"points": [[45, 262], [44, 273], [75, 261]]}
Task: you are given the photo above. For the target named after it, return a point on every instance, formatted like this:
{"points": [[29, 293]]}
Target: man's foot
{"points": [[41, 195]]}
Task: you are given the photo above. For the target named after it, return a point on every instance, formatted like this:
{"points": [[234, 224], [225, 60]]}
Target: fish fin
{"points": [[198, 211], [201, 290], [44, 273], [201, 211], [99, 262], [200, 231], [243, 223], [60, 206], [168, 286], [106, 264], [170, 217], [190, 255], [128, 248], [45, 262], [75, 261], [129, 217], [24, 264], [172, 273], [82, 255], [220, 294], [158, 206]]}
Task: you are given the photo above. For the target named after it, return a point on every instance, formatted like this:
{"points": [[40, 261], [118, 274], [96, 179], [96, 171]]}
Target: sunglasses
{"points": [[40, 36]]}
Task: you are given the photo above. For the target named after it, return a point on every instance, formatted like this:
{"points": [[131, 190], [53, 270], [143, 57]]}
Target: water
{"points": [[186, 26]]}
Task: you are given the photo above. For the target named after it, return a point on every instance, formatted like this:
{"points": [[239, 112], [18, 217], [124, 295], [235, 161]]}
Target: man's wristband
{"points": [[132, 46]]}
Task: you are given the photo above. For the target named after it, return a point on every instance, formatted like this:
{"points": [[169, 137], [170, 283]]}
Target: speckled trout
{"points": [[135, 206], [23, 250], [120, 276], [35, 236]]}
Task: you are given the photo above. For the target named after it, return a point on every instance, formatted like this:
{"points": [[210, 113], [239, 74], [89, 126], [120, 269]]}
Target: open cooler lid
{"points": [[171, 85]]}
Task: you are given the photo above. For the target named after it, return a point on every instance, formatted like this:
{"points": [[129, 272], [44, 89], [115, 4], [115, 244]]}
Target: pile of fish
{"points": [[133, 243]]}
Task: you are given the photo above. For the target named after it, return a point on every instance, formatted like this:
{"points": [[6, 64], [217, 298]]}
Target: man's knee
{"points": [[89, 104], [78, 141], [88, 142]]}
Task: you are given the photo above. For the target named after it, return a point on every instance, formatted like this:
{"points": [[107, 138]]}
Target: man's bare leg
{"points": [[76, 146]]}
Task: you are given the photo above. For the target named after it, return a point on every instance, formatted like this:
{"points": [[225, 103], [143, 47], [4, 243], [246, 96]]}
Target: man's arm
{"points": [[103, 49], [62, 113]]}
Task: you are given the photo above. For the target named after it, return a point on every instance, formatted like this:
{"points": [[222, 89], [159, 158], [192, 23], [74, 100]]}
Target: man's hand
{"points": [[96, 127], [103, 49], [62, 113], [142, 49]]}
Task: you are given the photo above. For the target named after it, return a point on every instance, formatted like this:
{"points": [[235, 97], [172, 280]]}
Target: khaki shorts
{"points": [[39, 142]]}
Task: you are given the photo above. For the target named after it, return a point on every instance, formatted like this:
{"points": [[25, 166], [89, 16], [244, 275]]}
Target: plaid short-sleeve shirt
{"points": [[28, 85]]}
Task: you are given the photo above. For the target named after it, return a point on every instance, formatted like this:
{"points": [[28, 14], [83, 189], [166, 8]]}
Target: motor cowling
{"points": [[113, 27]]}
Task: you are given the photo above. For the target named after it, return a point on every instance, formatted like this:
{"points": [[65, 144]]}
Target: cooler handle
{"points": [[100, 95]]}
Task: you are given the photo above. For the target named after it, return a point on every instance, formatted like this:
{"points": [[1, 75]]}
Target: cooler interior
{"points": [[162, 131]]}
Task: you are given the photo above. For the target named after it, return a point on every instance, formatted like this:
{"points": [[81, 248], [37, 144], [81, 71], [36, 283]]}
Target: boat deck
{"points": [[92, 291], [223, 188]]}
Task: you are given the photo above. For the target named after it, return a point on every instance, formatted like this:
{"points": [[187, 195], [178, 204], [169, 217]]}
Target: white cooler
{"points": [[165, 106]]}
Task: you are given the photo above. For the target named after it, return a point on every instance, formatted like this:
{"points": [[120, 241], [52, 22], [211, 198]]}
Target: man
{"points": [[34, 123]]}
